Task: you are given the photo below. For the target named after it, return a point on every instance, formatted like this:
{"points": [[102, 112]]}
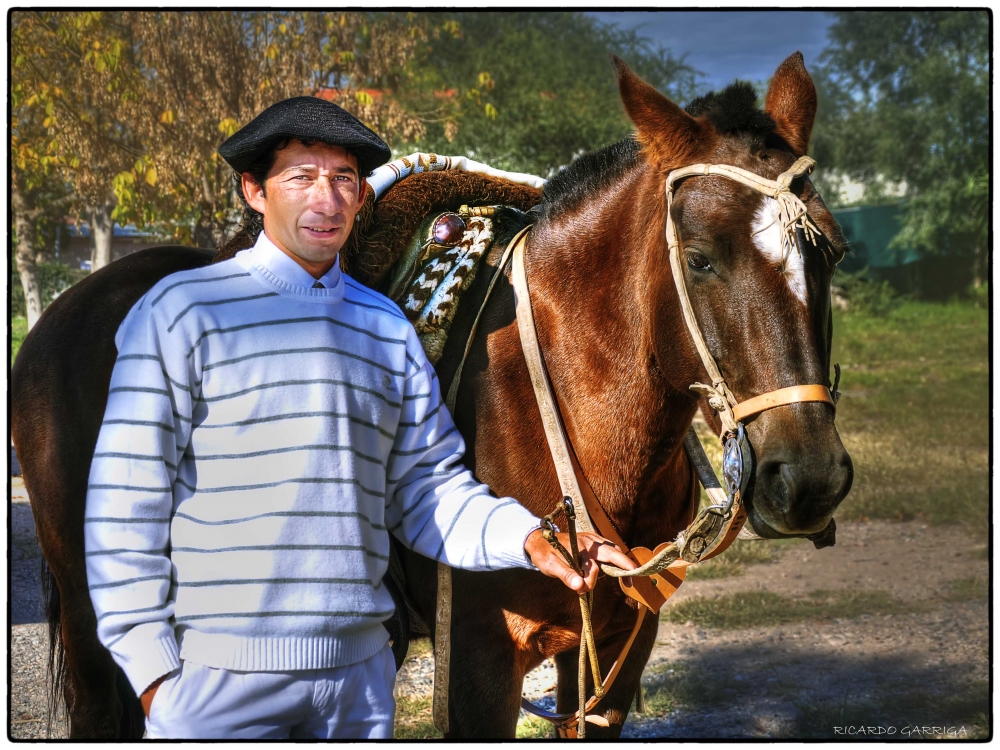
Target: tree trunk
{"points": [[24, 226], [978, 266], [101, 233], [208, 232], [204, 233]]}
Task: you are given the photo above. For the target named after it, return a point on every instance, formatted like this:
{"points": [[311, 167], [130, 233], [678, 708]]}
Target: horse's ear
{"points": [[667, 132], [791, 102]]}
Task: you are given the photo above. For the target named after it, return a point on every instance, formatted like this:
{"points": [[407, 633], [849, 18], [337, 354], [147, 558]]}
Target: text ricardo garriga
{"points": [[904, 731]]}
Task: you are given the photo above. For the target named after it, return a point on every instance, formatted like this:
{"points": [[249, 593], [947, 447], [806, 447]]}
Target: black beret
{"points": [[304, 117]]}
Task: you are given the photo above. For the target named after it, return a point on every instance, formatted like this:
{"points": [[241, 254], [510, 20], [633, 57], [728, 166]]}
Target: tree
{"points": [[133, 120], [233, 65], [543, 84], [72, 71], [906, 100]]}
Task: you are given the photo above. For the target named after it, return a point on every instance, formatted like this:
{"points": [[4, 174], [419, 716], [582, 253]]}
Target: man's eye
{"points": [[699, 261]]}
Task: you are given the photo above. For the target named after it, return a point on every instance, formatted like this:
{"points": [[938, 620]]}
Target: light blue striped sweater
{"points": [[261, 440]]}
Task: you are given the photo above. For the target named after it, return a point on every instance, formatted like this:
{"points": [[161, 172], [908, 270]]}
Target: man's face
{"points": [[312, 196]]}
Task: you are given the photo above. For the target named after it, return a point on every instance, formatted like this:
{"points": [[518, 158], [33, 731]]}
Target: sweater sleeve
{"points": [[435, 505], [146, 428]]}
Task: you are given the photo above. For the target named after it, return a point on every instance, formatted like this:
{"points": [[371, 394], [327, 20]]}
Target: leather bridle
{"points": [[792, 215]]}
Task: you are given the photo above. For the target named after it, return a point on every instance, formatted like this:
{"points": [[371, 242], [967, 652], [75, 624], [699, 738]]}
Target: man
{"points": [[269, 422]]}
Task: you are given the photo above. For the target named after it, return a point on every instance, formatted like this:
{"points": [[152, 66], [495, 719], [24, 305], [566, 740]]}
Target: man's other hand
{"points": [[594, 549], [146, 699]]}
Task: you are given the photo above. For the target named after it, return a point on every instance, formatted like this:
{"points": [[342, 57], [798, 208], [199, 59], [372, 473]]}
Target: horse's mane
{"points": [[732, 111], [589, 174]]}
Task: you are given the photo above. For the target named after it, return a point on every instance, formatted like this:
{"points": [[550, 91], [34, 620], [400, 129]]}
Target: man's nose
{"points": [[325, 197]]}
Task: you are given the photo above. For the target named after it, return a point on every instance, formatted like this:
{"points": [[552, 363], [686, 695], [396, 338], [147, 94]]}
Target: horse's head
{"points": [[762, 305]]}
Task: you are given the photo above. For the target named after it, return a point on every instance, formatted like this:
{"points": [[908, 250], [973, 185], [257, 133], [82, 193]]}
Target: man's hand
{"points": [[593, 549], [146, 699]]}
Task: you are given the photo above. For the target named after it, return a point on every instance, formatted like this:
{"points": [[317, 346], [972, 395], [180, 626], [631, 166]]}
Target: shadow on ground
{"points": [[784, 688]]}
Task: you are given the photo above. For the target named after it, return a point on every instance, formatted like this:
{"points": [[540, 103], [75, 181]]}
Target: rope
{"points": [[588, 649]]}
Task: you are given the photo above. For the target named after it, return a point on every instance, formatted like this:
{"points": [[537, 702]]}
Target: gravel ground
{"points": [[799, 680], [28, 634]]}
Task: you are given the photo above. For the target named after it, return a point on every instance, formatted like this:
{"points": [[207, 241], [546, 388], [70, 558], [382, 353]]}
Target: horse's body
{"points": [[620, 360]]}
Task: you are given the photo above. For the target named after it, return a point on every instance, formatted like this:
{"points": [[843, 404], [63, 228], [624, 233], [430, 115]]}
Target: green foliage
{"points": [[914, 412], [53, 279], [904, 98], [543, 85], [866, 296], [18, 330]]}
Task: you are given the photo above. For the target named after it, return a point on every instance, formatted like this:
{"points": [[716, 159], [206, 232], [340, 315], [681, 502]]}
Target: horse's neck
{"points": [[591, 275]]}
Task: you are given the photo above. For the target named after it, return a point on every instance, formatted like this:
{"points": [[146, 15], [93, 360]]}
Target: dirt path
{"points": [[835, 677], [925, 665]]}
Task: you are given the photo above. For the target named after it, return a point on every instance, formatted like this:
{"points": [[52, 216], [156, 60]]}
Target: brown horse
{"points": [[620, 360]]}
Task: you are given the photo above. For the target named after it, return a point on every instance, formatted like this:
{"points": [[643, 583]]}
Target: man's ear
{"points": [[362, 190], [253, 192]]}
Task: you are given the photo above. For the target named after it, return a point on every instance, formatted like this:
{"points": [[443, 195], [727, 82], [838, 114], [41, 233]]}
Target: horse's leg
{"points": [[486, 671], [615, 705]]}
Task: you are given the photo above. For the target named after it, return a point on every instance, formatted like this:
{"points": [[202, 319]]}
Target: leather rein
{"points": [[713, 530]]}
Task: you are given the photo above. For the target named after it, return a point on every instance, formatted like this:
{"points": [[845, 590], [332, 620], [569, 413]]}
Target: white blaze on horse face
{"points": [[766, 233]]}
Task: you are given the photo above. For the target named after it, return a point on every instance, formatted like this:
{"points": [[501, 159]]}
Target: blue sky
{"points": [[724, 45]]}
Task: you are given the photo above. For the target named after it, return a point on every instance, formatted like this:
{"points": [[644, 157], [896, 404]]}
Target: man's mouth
{"points": [[323, 231]]}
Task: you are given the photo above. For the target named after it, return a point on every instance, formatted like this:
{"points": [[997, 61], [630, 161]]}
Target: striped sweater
{"points": [[261, 440]]}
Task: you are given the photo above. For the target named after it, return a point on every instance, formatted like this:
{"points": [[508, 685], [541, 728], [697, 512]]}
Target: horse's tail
{"points": [[56, 672]]}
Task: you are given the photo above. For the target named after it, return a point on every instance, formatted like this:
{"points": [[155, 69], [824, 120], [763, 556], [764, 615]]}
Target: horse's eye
{"points": [[698, 261]]}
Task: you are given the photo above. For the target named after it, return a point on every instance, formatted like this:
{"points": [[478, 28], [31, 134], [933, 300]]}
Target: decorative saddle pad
{"points": [[439, 266], [443, 257]]}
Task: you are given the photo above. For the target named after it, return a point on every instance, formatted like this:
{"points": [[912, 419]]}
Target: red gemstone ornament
{"points": [[448, 229]]}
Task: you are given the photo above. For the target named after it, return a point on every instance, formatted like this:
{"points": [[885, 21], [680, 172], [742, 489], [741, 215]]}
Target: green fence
{"points": [[870, 231]]}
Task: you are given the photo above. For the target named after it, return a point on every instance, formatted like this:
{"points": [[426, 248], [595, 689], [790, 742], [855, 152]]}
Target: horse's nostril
{"points": [[801, 496]]}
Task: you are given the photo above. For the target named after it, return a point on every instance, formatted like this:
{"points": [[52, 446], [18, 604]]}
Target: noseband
{"points": [[792, 215]]}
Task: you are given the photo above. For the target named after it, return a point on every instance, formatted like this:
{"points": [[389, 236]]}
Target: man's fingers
{"points": [[571, 579], [614, 556], [590, 571]]}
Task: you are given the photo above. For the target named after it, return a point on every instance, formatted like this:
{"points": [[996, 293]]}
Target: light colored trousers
{"points": [[352, 702]]}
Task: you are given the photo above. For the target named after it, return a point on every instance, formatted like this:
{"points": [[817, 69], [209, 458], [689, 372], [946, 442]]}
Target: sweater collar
{"points": [[279, 269]]}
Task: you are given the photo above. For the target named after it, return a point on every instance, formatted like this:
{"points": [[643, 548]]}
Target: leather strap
{"points": [[572, 483], [442, 648], [780, 397], [442, 618], [650, 591], [555, 434]]}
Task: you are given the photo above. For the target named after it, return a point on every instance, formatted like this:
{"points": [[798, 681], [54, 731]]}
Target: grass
{"points": [[734, 560], [414, 717], [967, 589], [915, 412], [534, 728], [414, 720], [763, 609], [19, 329]]}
